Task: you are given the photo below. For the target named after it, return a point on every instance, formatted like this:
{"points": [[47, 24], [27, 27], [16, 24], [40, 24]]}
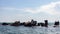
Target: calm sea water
{"points": [[29, 30]]}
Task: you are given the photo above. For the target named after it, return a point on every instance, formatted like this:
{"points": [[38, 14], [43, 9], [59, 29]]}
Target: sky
{"points": [[25, 10]]}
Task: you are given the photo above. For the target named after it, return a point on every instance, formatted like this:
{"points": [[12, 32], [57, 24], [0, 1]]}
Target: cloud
{"points": [[52, 8], [48, 8]]}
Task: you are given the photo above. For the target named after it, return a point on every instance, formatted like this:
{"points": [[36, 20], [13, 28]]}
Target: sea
{"points": [[29, 30]]}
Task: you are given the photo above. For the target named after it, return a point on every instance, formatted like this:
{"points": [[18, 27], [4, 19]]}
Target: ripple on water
{"points": [[28, 30]]}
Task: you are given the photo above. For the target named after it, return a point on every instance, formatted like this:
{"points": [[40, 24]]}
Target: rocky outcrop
{"points": [[22, 23], [41, 24], [33, 22], [46, 23], [38, 24], [28, 24], [4, 23], [16, 23], [56, 23]]}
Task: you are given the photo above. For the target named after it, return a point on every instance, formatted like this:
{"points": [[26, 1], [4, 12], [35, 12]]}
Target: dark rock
{"points": [[38, 24], [46, 23], [33, 22], [42, 24], [22, 23], [56, 23], [16, 23], [4, 23], [28, 24]]}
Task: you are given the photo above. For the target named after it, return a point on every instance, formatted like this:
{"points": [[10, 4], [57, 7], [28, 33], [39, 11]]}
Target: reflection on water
{"points": [[29, 30]]}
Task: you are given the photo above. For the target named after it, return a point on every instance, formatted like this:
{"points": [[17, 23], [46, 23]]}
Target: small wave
{"points": [[29, 30]]}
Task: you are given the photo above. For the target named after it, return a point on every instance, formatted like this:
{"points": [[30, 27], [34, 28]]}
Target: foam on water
{"points": [[29, 30]]}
